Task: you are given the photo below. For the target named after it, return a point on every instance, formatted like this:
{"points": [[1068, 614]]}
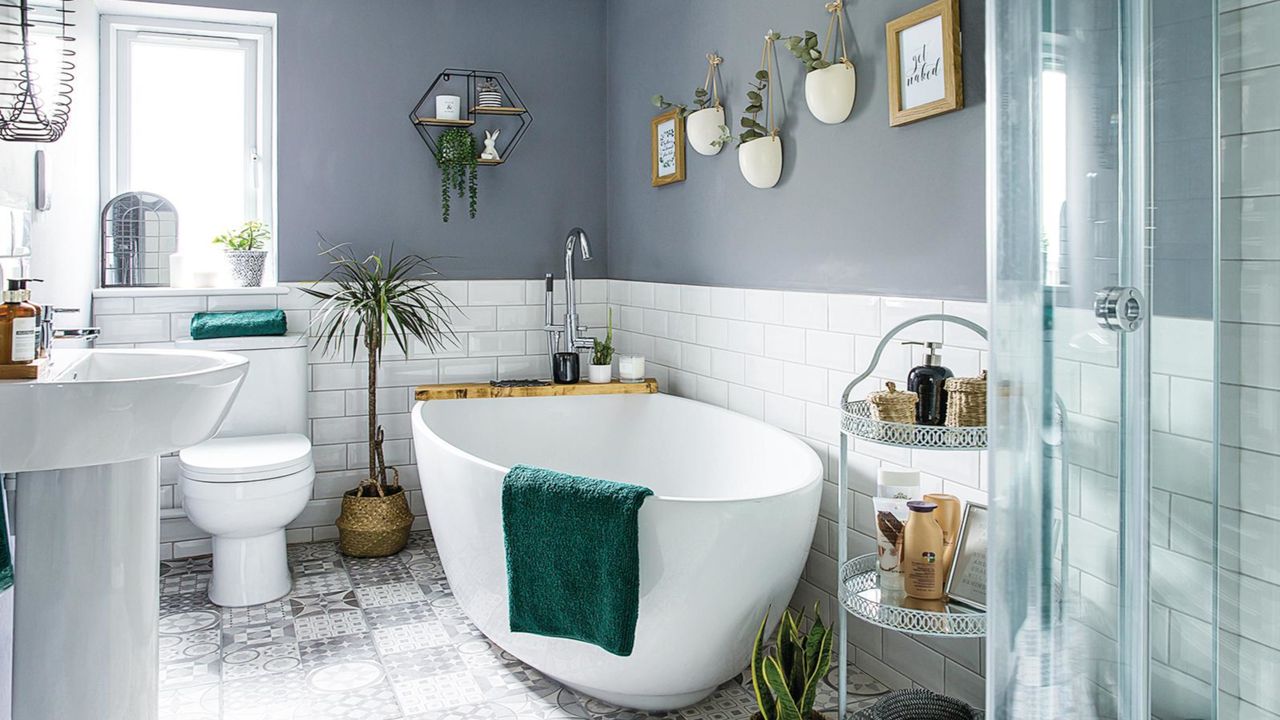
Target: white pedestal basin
{"points": [[87, 438]]}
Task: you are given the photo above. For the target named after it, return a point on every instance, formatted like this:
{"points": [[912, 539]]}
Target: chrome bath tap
{"points": [[574, 335]]}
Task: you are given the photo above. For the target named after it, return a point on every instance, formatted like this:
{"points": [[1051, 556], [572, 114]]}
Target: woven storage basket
{"points": [[893, 405], [374, 526], [919, 704], [967, 401]]}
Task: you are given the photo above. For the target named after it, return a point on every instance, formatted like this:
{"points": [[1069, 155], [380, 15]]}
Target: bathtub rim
{"points": [[815, 476]]}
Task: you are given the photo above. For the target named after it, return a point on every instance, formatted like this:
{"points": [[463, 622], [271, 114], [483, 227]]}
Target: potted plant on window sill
{"points": [[786, 676], [372, 302], [600, 371], [244, 249]]}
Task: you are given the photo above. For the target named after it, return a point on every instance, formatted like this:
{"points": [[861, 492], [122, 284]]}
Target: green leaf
{"points": [[787, 708], [818, 669], [764, 699], [754, 96], [811, 36], [700, 92], [762, 74], [657, 100]]}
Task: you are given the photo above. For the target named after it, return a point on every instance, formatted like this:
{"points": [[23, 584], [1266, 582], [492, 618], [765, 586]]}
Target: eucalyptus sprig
{"points": [[752, 129], [457, 158], [805, 48], [701, 98]]}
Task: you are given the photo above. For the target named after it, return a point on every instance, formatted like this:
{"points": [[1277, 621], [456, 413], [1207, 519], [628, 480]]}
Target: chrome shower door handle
{"points": [[1122, 309]]}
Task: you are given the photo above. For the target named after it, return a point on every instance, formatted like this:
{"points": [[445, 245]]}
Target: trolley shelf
{"points": [[858, 421], [861, 594]]}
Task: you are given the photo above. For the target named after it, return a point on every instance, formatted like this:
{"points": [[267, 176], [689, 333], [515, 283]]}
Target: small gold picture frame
{"points": [[924, 63], [666, 136]]}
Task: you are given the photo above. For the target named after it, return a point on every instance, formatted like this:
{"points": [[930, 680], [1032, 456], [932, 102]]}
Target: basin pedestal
{"points": [[87, 593]]}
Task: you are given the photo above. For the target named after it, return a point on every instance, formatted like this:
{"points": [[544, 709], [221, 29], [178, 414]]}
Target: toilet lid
{"points": [[234, 459]]}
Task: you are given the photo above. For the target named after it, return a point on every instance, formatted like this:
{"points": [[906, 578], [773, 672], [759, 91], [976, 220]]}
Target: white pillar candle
{"points": [[631, 368]]}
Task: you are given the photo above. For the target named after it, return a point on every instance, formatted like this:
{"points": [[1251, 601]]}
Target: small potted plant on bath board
{"points": [[601, 369], [244, 247], [786, 675], [372, 302]]}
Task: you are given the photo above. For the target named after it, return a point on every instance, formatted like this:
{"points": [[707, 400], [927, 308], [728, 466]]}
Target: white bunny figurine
{"points": [[490, 152]]}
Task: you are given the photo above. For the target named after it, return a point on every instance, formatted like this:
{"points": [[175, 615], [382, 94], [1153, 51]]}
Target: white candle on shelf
{"points": [[631, 368]]}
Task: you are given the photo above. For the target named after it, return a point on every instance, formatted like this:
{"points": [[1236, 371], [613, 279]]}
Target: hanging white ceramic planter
{"points": [[830, 82], [705, 128], [760, 161], [760, 152], [829, 92]]}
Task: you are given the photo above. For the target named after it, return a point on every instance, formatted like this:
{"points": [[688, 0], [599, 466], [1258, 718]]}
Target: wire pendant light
{"points": [[37, 69]]}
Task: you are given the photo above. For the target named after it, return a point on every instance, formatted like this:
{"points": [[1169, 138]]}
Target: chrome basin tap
{"points": [[573, 340]]}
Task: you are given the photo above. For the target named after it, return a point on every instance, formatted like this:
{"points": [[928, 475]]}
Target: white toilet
{"points": [[255, 476]]}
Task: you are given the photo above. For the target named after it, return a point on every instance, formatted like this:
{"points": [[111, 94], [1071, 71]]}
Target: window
{"points": [[188, 114]]}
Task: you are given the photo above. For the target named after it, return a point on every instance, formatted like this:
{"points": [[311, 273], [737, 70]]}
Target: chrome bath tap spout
{"points": [[573, 339]]}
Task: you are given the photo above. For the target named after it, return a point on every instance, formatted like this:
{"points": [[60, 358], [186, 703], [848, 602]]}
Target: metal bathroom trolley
{"points": [[858, 581]]}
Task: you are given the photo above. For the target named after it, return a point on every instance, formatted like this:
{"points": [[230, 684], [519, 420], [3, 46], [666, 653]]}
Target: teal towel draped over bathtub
{"points": [[573, 556], [243, 323]]}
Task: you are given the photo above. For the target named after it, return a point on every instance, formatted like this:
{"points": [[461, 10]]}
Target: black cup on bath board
{"points": [[565, 368]]}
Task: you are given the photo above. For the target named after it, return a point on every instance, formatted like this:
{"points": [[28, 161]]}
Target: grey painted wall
{"points": [[861, 207], [352, 167]]}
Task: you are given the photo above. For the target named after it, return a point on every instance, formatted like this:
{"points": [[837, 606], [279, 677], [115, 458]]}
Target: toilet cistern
{"points": [[574, 335]]}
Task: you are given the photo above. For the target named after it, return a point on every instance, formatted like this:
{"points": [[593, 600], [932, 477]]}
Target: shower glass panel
{"points": [[1115, 588]]}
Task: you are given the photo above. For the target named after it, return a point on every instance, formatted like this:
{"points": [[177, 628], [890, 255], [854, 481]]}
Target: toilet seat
{"points": [[245, 459]]}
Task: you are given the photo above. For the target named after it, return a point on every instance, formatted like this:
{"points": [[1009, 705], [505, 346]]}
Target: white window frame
{"points": [[117, 32]]}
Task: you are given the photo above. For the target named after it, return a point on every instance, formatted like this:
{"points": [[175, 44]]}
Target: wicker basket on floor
{"points": [[920, 704], [893, 405], [967, 401], [374, 526]]}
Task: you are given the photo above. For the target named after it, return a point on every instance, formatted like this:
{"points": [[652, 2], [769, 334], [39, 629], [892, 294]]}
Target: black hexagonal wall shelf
{"points": [[511, 116]]}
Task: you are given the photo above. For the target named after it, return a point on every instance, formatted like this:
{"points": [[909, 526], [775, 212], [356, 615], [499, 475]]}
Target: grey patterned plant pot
{"points": [[247, 266]]}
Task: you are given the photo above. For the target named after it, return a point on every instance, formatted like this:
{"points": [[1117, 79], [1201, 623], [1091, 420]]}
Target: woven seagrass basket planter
{"points": [[374, 526], [967, 401]]}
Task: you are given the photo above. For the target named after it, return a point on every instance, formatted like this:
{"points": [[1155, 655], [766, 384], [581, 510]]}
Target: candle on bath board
{"points": [[631, 368]]}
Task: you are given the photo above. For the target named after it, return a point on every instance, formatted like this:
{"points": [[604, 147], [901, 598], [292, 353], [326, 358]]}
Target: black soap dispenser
{"points": [[928, 382]]}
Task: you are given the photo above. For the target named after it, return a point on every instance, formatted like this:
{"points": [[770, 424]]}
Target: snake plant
{"points": [[786, 676]]}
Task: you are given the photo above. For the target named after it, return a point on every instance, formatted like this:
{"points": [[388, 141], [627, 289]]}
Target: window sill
{"points": [[186, 292]]}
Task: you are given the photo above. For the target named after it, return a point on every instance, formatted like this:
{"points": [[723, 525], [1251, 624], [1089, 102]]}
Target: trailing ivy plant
{"points": [[457, 158], [805, 48]]}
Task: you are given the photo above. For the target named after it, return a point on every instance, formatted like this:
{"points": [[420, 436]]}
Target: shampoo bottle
{"points": [[18, 321], [922, 553], [928, 381], [948, 515]]}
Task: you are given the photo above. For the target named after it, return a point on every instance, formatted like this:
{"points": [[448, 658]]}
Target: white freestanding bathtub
{"points": [[724, 536]]}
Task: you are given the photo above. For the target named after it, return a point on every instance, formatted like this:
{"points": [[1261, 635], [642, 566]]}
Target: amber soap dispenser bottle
{"points": [[18, 320], [922, 551]]}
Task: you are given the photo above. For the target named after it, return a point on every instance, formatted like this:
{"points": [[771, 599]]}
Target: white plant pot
{"points": [[703, 128], [247, 266], [600, 374], [761, 161], [829, 92]]}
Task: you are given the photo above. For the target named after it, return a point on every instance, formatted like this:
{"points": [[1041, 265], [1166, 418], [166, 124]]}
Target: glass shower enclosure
{"points": [[1134, 268]]}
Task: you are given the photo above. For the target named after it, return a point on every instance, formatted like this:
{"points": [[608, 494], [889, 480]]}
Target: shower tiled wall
{"points": [[1249, 343], [498, 336]]}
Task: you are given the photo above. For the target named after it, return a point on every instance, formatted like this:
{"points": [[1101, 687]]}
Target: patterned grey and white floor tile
{"points": [[373, 639]]}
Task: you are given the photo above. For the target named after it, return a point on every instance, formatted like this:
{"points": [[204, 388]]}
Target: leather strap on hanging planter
{"points": [[767, 65], [712, 83], [834, 25]]}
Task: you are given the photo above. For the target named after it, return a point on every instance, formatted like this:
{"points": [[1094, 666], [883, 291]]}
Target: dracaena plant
{"points": [[253, 235], [373, 302], [786, 676]]}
